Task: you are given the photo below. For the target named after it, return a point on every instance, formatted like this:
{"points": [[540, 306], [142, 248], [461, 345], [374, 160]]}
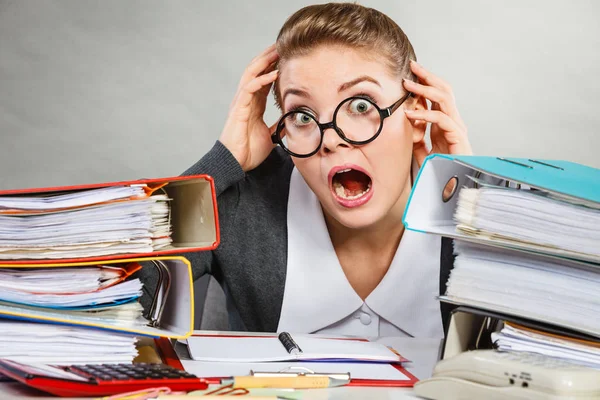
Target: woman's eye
{"points": [[302, 119], [360, 106]]}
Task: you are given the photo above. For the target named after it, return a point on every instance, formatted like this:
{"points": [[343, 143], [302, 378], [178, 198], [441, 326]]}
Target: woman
{"points": [[312, 235]]}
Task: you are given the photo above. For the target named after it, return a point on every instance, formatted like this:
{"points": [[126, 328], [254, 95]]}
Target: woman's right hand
{"points": [[246, 135]]}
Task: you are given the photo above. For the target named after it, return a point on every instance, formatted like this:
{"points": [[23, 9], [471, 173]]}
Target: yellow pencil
{"points": [[284, 382]]}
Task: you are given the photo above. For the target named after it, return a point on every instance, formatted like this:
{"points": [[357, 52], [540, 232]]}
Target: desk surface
{"points": [[422, 352]]}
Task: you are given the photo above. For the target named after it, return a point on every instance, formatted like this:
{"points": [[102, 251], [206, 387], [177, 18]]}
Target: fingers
{"points": [[435, 89], [260, 65], [246, 93], [436, 95], [435, 117], [446, 134]]}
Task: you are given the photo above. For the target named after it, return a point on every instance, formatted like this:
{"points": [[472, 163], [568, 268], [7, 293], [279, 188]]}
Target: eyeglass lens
{"points": [[358, 119]]}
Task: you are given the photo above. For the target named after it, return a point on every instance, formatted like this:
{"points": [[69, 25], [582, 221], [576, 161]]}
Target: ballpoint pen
{"points": [[290, 382]]}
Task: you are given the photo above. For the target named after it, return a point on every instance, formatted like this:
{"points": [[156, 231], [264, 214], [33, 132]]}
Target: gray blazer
{"points": [[250, 262]]}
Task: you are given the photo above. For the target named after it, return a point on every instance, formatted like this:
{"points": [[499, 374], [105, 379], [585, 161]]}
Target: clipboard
{"points": [[193, 215], [166, 350]]}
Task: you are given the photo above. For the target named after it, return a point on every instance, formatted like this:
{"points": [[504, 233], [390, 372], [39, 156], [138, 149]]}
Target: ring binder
{"points": [[160, 294]]}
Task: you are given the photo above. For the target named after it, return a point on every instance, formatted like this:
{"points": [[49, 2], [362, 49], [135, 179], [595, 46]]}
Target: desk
{"points": [[422, 352]]}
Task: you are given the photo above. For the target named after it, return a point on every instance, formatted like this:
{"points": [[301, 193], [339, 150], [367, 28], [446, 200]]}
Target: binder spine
{"points": [[290, 345]]}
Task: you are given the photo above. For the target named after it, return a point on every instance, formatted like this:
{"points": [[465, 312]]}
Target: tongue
{"points": [[354, 182]]}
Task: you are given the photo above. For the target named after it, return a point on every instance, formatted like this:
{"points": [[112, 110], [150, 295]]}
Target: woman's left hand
{"points": [[448, 130]]}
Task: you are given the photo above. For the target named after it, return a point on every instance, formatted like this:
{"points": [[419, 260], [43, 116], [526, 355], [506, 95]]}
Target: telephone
{"points": [[490, 374]]}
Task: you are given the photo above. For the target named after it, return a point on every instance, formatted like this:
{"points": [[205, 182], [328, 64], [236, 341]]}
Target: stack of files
{"points": [[35, 343], [514, 337], [93, 222], [67, 259], [106, 296], [108, 221], [559, 291], [93, 294], [368, 363], [527, 243], [534, 219]]}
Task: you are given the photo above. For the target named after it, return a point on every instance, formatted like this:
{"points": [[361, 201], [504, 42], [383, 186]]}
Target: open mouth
{"points": [[352, 187], [351, 184]]}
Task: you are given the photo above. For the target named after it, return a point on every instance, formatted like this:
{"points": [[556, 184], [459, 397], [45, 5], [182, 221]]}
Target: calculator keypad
{"points": [[126, 372]]}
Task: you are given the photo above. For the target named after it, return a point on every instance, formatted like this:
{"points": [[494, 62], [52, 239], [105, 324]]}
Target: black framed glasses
{"points": [[357, 120]]}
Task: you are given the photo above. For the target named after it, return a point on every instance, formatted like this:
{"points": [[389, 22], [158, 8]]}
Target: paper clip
{"points": [[227, 390], [143, 394]]}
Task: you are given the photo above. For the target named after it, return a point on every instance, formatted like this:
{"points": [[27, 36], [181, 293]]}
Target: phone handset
{"points": [[491, 374]]}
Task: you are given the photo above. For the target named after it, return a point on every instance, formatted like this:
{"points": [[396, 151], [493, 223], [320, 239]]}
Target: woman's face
{"points": [[358, 186]]}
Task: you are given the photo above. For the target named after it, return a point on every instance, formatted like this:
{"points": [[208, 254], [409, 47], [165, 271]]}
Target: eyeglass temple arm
{"points": [[390, 110]]}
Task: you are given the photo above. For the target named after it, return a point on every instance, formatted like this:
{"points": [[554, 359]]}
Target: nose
{"points": [[331, 140]]}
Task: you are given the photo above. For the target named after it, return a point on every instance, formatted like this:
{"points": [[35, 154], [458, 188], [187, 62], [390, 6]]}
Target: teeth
{"points": [[344, 170], [341, 192]]}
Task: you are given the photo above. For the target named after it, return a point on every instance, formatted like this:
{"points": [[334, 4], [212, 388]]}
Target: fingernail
{"points": [[407, 111], [414, 62], [408, 81], [274, 72]]}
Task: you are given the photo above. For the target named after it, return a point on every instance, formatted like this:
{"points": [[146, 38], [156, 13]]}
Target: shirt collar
{"points": [[317, 293]]}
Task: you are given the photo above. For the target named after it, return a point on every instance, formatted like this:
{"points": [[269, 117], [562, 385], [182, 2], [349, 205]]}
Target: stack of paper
{"points": [[257, 349], [559, 291], [63, 345], [91, 294], [514, 337], [95, 222], [534, 219]]}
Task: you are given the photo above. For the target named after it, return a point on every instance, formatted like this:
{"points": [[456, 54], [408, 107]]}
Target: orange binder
{"points": [[193, 215]]}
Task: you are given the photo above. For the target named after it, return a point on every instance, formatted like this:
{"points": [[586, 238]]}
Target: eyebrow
{"points": [[343, 87], [364, 78], [297, 92]]}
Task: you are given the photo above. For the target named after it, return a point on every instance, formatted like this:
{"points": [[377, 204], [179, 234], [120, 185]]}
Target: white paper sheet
{"points": [[63, 345], [515, 339], [119, 227], [231, 349], [357, 370]]}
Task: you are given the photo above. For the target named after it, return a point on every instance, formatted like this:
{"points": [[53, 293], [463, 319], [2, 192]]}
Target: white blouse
{"points": [[319, 299]]}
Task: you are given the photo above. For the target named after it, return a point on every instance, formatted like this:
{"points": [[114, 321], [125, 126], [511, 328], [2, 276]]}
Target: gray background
{"points": [[94, 91], [108, 90]]}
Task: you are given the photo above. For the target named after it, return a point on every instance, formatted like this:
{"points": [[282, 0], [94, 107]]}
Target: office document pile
{"points": [[534, 219], [99, 295], [513, 337], [74, 225], [38, 343], [535, 255], [96, 222]]}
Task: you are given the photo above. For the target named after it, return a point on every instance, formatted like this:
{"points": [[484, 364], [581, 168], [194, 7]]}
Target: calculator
{"points": [[102, 379]]}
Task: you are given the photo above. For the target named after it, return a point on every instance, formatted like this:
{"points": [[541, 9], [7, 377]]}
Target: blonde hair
{"points": [[345, 24]]}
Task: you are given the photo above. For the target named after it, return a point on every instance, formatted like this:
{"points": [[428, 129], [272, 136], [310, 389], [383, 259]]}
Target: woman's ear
{"points": [[419, 126]]}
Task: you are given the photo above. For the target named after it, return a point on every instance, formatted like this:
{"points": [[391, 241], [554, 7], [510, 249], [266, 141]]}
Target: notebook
{"points": [[287, 347]]}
